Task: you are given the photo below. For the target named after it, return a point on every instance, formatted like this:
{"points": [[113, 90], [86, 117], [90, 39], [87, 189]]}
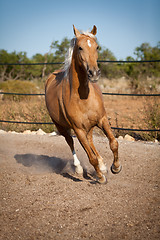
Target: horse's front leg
{"points": [[69, 140], [102, 166], [104, 125], [82, 137]]}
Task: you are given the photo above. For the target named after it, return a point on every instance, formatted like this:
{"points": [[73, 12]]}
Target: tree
{"points": [[105, 54], [12, 71], [138, 73], [143, 52], [58, 51], [61, 49], [4, 58]]}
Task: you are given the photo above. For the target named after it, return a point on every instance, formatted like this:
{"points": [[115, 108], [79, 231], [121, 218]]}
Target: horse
{"points": [[74, 101]]}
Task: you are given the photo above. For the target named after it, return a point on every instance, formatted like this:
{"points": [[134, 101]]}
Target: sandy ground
{"points": [[41, 198]]}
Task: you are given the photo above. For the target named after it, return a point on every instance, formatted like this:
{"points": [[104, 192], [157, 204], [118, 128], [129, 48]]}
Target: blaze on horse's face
{"points": [[87, 53]]}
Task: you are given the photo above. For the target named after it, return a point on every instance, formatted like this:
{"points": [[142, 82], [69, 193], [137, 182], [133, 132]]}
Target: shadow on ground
{"points": [[44, 163]]}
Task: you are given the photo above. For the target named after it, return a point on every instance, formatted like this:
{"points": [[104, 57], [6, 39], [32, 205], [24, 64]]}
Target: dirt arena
{"points": [[41, 198]]}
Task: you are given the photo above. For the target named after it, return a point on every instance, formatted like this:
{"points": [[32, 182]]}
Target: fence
{"points": [[99, 61], [116, 94]]}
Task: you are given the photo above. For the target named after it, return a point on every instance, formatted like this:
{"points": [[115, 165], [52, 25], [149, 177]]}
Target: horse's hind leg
{"points": [[104, 125], [102, 166], [69, 140]]}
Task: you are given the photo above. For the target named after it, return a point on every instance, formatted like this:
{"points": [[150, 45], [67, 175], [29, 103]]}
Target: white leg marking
{"points": [[77, 164], [102, 166]]}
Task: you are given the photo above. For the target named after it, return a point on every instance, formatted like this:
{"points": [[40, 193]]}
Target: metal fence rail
{"points": [[114, 128], [99, 61], [104, 93]]}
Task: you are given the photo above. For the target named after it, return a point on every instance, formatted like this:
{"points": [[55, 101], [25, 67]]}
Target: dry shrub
{"points": [[17, 86], [152, 117], [25, 111], [23, 108]]}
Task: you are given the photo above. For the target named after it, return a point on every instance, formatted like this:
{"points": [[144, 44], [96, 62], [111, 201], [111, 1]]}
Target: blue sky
{"points": [[31, 25]]}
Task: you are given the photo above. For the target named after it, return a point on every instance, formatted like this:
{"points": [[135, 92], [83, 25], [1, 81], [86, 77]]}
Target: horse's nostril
{"points": [[90, 73], [94, 73], [98, 72]]}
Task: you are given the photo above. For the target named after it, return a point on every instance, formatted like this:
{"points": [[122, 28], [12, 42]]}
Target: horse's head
{"points": [[86, 49]]}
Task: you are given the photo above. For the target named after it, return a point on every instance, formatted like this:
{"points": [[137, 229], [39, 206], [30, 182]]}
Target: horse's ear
{"points": [[76, 32], [94, 30]]}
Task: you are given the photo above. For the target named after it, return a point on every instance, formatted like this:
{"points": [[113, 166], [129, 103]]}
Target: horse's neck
{"points": [[78, 80]]}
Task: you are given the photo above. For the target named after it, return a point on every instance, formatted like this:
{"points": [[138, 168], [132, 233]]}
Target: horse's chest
{"points": [[85, 113]]}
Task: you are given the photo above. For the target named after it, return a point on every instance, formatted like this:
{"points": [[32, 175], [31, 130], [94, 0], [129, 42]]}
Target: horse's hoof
{"points": [[115, 170], [102, 180]]}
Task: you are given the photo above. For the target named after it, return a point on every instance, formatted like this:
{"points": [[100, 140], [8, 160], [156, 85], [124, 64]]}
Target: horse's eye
{"points": [[97, 47], [80, 48]]}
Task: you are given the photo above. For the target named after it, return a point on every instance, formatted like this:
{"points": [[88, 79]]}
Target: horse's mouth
{"points": [[93, 79]]}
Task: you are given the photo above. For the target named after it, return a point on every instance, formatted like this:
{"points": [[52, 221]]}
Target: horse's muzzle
{"points": [[94, 75]]}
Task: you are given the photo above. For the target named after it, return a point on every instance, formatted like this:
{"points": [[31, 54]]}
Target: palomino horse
{"points": [[74, 101]]}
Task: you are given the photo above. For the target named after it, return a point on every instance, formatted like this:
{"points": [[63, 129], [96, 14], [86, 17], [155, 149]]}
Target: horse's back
{"points": [[51, 79]]}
